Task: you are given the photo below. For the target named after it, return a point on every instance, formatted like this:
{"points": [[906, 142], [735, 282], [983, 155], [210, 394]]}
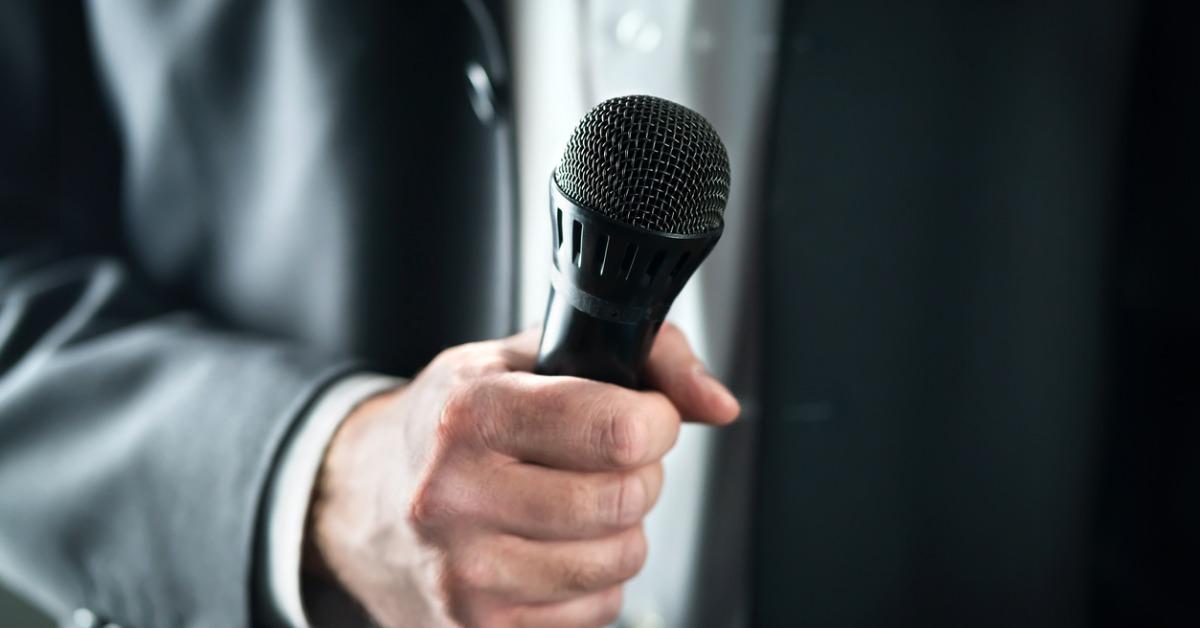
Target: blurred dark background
{"points": [[983, 377]]}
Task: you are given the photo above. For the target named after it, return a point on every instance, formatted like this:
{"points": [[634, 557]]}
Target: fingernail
{"points": [[717, 389]]}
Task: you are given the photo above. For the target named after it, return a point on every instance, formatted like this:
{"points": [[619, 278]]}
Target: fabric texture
{"points": [[134, 448], [208, 212]]}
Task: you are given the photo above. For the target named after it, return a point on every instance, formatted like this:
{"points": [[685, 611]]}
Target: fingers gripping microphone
{"points": [[636, 204]]}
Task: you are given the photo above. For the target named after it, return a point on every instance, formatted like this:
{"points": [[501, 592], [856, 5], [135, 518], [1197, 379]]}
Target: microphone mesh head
{"points": [[647, 162]]}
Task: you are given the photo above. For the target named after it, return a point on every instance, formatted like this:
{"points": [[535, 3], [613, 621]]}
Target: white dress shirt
{"points": [[714, 56]]}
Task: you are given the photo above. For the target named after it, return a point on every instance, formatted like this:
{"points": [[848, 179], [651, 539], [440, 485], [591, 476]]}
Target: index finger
{"points": [[577, 424]]}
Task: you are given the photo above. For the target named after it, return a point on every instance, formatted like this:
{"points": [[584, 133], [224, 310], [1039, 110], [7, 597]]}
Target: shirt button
{"points": [[84, 618]]}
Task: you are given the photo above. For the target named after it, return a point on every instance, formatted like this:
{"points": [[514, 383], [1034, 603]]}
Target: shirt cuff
{"points": [[291, 485]]}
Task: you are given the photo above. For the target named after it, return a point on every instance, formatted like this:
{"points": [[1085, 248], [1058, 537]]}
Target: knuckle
{"points": [[486, 360], [634, 499], [451, 358], [487, 398], [424, 511], [632, 556], [471, 571], [625, 439], [481, 358], [448, 429], [605, 506], [469, 408], [460, 405], [431, 506], [624, 501], [471, 360], [613, 568]]}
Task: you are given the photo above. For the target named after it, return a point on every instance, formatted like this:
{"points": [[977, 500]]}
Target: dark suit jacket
{"points": [[202, 209]]}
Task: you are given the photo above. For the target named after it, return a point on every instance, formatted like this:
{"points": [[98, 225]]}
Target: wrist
{"points": [[319, 539], [359, 540], [288, 499]]}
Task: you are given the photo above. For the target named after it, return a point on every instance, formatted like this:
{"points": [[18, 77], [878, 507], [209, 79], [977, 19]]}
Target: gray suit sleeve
{"points": [[135, 444]]}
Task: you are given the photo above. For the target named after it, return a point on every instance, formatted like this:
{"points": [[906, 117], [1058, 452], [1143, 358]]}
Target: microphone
{"points": [[636, 204]]}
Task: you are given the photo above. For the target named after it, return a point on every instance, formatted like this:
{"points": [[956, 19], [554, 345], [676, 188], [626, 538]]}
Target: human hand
{"points": [[485, 495]]}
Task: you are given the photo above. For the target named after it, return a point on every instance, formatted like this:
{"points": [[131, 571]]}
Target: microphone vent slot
{"points": [[601, 257], [680, 264], [558, 240], [576, 241], [616, 270], [631, 252], [652, 269]]}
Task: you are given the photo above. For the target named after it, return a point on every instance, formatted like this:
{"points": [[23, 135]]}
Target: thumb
{"points": [[674, 370], [520, 350]]}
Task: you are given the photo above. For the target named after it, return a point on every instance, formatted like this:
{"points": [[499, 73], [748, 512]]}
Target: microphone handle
{"points": [[579, 344]]}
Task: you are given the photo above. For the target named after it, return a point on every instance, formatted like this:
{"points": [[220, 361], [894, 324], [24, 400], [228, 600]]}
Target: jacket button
{"points": [[84, 618], [480, 93]]}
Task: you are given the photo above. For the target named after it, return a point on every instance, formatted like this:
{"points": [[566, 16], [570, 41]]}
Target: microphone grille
{"points": [[650, 163]]}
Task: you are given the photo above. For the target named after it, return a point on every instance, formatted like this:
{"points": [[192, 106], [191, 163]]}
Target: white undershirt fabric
{"points": [[291, 486]]}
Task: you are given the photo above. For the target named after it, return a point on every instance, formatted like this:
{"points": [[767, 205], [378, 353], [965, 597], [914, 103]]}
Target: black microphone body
{"points": [[612, 284], [636, 204]]}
